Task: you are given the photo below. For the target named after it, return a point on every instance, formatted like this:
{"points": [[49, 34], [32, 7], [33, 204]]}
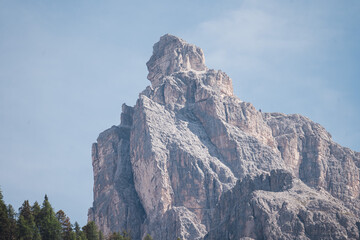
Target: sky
{"points": [[66, 67]]}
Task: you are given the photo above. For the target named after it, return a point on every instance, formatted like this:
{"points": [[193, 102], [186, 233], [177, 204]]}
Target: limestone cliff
{"points": [[193, 161]]}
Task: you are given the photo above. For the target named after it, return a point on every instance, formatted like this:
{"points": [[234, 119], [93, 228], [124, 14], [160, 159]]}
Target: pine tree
{"points": [[12, 222], [35, 209], [72, 235], [27, 229], [118, 236], [115, 236], [4, 220], [91, 231], [66, 229], [50, 228], [101, 235], [79, 235], [77, 228]]}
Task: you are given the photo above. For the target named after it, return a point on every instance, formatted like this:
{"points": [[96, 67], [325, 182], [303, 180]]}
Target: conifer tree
{"points": [[120, 236], [115, 236], [80, 235], [4, 220], [66, 229], [101, 235], [27, 229], [12, 222], [35, 209], [50, 228], [91, 231], [77, 228]]}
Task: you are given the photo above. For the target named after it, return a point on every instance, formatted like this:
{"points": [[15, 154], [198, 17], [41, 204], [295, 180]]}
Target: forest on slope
{"points": [[41, 222]]}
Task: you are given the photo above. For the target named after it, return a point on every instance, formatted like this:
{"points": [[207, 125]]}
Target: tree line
{"points": [[35, 222]]}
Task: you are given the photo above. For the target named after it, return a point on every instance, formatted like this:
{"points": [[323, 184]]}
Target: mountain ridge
{"points": [[188, 143]]}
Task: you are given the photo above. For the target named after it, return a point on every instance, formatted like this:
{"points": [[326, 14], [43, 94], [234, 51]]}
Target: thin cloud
{"points": [[285, 56], [260, 29]]}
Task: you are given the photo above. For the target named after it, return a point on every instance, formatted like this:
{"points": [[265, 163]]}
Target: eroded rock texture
{"points": [[276, 206], [191, 160]]}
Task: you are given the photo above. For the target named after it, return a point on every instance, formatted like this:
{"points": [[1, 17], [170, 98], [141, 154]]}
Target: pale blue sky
{"points": [[66, 67]]}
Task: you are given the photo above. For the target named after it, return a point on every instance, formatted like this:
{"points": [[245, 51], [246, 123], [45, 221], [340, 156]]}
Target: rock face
{"points": [[114, 191], [278, 206], [191, 160]]}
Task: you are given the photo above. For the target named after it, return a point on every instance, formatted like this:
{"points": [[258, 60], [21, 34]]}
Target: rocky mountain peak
{"points": [[192, 161], [178, 74], [172, 54]]}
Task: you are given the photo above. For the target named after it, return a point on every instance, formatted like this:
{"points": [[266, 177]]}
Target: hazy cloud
{"points": [[289, 56], [258, 29]]}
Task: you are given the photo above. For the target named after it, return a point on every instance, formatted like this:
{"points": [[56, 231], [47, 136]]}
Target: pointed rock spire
{"points": [[172, 54]]}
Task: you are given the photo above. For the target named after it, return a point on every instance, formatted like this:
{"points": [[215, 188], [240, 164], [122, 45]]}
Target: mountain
{"points": [[191, 160]]}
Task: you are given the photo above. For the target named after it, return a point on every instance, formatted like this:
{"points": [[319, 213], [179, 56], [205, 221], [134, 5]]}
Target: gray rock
{"points": [[276, 206], [191, 160], [313, 157], [172, 54], [116, 202]]}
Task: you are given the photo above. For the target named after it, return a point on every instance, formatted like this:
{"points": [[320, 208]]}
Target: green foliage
{"points": [[91, 231], [66, 228], [115, 236], [50, 227], [12, 222], [26, 226], [79, 235], [35, 209], [126, 235], [120, 236], [101, 236], [148, 237], [4, 220], [41, 223], [73, 236], [26, 231], [77, 228]]}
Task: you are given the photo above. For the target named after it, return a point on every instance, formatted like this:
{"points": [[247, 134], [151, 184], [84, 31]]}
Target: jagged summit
{"points": [[178, 74], [172, 54]]}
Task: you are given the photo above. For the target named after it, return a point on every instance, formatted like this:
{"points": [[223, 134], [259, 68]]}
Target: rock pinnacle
{"points": [[172, 54]]}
